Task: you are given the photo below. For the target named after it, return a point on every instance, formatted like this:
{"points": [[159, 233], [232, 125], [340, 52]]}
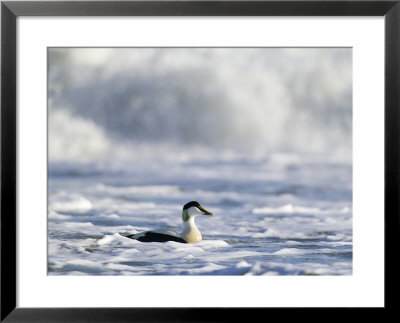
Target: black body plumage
{"points": [[156, 237]]}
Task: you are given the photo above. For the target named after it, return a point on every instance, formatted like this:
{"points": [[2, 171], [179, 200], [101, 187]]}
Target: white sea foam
{"points": [[290, 251], [267, 233], [140, 190], [290, 209], [57, 216], [115, 240], [78, 225], [260, 268], [83, 265], [110, 216], [71, 203], [210, 244]]}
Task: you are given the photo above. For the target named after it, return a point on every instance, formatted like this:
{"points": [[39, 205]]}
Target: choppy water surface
{"points": [[274, 216]]}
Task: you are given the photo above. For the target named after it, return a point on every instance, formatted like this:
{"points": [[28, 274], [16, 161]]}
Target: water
{"points": [[270, 217], [260, 137]]}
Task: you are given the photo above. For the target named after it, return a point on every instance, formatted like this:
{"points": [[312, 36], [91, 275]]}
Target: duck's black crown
{"points": [[190, 204]]}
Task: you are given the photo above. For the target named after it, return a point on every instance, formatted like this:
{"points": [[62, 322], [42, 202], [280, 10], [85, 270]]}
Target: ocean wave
{"points": [[249, 99]]}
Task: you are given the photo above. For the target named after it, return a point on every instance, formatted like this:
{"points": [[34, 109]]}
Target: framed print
{"points": [[274, 124]]}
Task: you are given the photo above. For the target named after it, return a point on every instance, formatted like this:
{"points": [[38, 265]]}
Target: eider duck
{"points": [[189, 234]]}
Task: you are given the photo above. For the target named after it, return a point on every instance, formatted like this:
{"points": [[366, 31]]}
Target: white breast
{"points": [[190, 232]]}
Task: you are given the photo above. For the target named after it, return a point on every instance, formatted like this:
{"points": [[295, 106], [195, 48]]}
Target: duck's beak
{"points": [[205, 211]]}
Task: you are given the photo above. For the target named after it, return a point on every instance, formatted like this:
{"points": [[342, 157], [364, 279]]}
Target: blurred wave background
{"points": [[127, 102]]}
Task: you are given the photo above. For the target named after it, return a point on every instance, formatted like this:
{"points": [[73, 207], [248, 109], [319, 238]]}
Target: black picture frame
{"points": [[11, 10]]}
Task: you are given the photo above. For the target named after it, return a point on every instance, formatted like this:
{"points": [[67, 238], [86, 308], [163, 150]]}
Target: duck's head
{"points": [[193, 209]]}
